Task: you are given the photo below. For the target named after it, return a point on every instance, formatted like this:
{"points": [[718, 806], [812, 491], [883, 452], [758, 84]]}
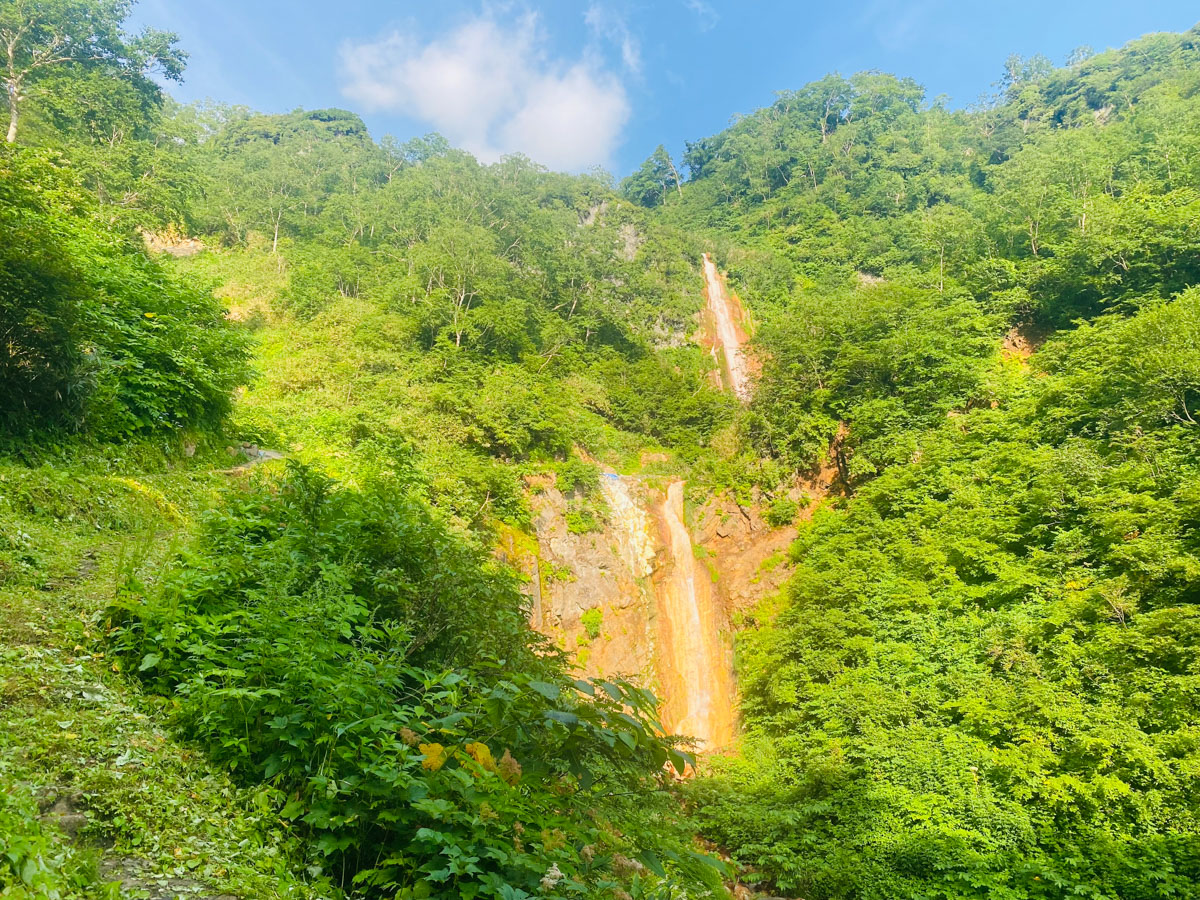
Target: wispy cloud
{"points": [[901, 25], [491, 87], [608, 23], [706, 15]]}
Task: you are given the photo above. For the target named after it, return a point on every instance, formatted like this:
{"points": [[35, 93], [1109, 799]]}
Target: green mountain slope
{"points": [[313, 677], [980, 680]]}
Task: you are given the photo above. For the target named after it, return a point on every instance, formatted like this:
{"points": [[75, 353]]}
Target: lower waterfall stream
{"points": [[697, 681], [691, 659]]}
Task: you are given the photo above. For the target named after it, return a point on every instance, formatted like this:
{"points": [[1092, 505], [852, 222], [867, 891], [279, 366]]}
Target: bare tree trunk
{"points": [[675, 172], [13, 112], [12, 85]]}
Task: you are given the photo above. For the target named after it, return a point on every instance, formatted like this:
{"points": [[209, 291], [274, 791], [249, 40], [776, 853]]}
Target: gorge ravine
{"points": [[663, 589]]}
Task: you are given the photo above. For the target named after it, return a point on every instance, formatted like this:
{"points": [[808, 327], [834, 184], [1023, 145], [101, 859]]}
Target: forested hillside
{"points": [[349, 654], [227, 673], [980, 680]]}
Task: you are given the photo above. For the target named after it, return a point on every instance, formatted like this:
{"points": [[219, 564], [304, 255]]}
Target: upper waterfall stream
{"points": [[728, 331]]}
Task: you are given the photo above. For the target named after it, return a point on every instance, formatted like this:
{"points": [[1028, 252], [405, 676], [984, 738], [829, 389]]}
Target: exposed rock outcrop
{"points": [[651, 596], [605, 570], [172, 243]]}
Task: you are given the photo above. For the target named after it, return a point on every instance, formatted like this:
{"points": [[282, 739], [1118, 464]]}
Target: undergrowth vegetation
{"points": [[315, 678], [344, 648]]}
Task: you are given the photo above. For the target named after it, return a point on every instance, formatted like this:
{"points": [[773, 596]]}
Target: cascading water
{"points": [[658, 602], [690, 655], [693, 664], [728, 335]]}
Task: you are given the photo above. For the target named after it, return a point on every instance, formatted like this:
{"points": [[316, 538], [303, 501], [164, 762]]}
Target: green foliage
{"points": [[45, 39], [781, 512], [31, 863], [593, 621], [347, 649], [98, 337], [650, 184], [41, 361], [575, 475], [666, 396], [979, 682], [582, 519], [885, 358], [81, 738], [476, 316]]}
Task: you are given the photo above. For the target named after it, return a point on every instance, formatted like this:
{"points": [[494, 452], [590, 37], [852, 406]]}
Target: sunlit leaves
{"points": [[345, 646]]}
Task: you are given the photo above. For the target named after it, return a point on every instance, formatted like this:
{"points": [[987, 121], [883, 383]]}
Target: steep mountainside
{"points": [[979, 681], [377, 523]]}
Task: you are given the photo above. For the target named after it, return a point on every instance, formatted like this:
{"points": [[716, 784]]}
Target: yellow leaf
{"points": [[435, 756], [482, 755]]}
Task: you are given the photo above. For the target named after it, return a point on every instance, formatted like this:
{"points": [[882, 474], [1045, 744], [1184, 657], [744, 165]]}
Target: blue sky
{"points": [[577, 83]]}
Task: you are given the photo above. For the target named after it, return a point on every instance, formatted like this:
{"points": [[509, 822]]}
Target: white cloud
{"points": [[490, 88], [569, 121], [706, 16]]}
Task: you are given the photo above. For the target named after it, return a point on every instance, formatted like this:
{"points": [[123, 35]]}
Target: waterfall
{"points": [[657, 601], [696, 682], [728, 333], [693, 664]]}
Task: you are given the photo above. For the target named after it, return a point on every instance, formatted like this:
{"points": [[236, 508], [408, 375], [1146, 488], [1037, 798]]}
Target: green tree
{"points": [[39, 37], [96, 336], [649, 185]]}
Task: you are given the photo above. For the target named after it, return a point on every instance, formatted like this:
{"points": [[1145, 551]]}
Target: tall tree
{"points": [[40, 37], [648, 186]]}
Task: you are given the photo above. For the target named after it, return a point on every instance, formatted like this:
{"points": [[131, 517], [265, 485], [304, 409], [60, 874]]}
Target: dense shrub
{"points": [[345, 648], [667, 397], [95, 335], [981, 684], [980, 680]]}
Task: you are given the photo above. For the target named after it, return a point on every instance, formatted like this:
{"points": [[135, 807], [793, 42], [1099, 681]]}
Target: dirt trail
{"points": [[729, 334], [693, 664]]}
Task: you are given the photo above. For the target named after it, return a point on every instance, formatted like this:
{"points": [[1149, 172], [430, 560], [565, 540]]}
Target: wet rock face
{"points": [[747, 556], [602, 570], [651, 596]]}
